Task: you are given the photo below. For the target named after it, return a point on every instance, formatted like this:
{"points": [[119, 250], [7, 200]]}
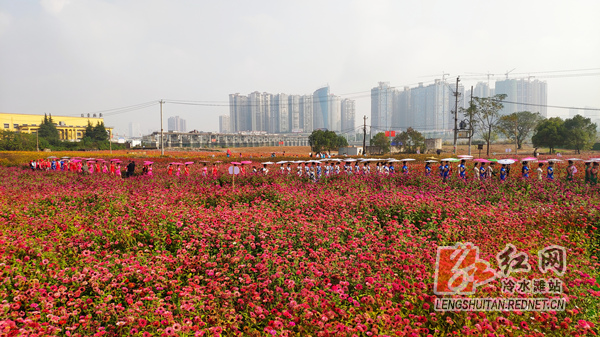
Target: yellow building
{"points": [[69, 128]]}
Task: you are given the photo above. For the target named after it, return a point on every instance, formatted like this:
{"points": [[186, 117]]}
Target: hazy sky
{"points": [[77, 56]]}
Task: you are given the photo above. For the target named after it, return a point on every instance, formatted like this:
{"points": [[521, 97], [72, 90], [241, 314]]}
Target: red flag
{"points": [[387, 133], [392, 133]]}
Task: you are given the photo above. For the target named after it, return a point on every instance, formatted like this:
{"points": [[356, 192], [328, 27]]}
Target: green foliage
{"points": [[579, 133], [485, 114], [322, 140], [519, 125], [381, 141], [48, 131], [549, 133], [95, 137], [15, 141], [412, 140]]}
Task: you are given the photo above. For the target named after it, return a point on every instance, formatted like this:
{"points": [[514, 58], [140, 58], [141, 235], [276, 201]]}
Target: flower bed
{"points": [[277, 255]]}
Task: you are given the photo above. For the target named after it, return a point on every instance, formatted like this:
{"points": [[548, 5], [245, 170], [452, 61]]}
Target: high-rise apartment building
{"points": [[176, 124], [348, 115], [256, 111], [294, 112], [134, 130], [306, 113], [424, 108], [321, 109], [402, 116], [482, 90], [224, 124], [523, 95], [282, 113], [239, 119], [335, 113], [381, 107]]}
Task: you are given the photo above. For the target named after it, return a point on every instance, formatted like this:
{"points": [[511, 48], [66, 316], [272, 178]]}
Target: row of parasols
{"points": [[87, 160], [459, 158], [187, 162], [507, 161]]}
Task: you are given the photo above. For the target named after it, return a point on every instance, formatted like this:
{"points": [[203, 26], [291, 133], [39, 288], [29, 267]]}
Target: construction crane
{"points": [[508, 72], [488, 74]]}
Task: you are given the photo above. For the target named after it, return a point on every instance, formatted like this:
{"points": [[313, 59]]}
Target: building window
{"points": [[16, 126], [6, 125]]}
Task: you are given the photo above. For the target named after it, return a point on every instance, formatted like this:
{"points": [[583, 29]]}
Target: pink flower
{"points": [[585, 324]]}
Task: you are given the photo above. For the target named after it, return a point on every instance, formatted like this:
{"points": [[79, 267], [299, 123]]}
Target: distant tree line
{"points": [[95, 137], [578, 133]]}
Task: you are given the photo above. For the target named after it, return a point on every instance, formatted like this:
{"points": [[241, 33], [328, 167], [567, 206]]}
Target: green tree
{"points": [[323, 140], [100, 134], [48, 131], [336, 141], [381, 141], [16, 141], [318, 140], [579, 133], [518, 126], [411, 140], [485, 113], [549, 133], [93, 134]]}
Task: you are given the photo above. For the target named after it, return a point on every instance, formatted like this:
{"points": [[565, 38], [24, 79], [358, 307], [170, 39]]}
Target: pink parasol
{"points": [[189, 162], [542, 161], [176, 163], [246, 162], [148, 162], [115, 160], [218, 161], [529, 159], [481, 160], [236, 163]]}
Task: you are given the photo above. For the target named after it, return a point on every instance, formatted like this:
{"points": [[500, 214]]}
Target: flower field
{"points": [[278, 255]]}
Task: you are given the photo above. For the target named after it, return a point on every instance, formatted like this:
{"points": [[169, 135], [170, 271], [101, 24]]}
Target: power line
{"points": [[477, 78], [131, 109], [547, 106], [557, 71]]}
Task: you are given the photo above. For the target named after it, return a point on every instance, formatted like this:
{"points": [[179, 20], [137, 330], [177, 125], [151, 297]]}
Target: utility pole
{"points": [[37, 140], [162, 145], [470, 122], [516, 135], [365, 135], [456, 114]]}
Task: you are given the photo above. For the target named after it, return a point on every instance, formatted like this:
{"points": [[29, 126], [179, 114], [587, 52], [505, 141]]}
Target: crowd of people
{"points": [[315, 170], [87, 166]]}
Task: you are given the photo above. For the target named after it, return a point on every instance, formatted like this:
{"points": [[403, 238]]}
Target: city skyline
{"points": [[289, 113], [177, 124], [70, 57]]}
